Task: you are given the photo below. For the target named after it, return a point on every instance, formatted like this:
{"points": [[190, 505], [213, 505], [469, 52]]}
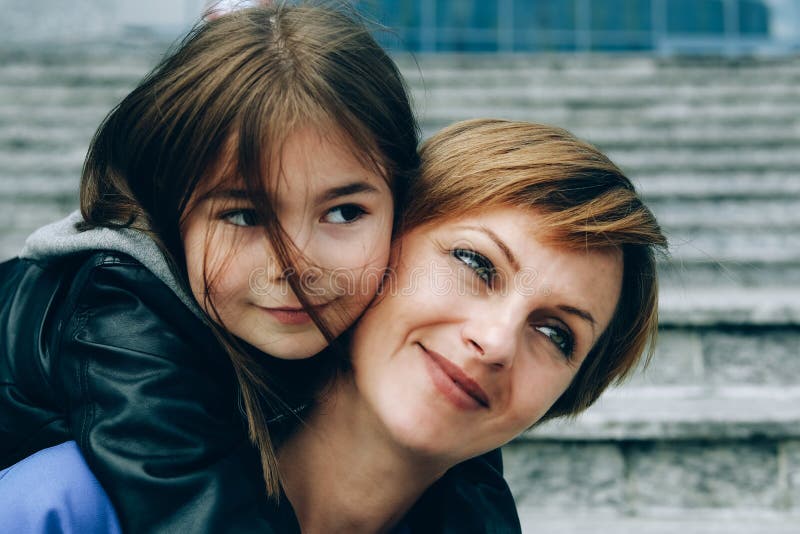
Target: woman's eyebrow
{"points": [[505, 249], [583, 314], [345, 190]]}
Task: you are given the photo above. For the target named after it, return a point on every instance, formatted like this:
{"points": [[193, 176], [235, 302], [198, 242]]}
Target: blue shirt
{"points": [[54, 492]]}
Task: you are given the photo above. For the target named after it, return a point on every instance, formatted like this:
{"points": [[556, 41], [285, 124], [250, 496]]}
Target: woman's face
{"points": [[480, 330]]}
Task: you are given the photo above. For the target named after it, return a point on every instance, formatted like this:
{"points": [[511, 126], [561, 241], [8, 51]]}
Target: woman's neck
{"points": [[342, 473]]}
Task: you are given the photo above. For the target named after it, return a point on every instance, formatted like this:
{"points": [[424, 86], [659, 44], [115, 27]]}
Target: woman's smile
{"points": [[454, 383]]}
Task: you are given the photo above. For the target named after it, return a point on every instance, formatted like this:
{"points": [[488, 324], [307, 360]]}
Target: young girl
{"points": [[240, 200]]}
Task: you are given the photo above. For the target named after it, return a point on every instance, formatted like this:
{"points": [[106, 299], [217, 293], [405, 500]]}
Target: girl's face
{"points": [[482, 329], [337, 212]]}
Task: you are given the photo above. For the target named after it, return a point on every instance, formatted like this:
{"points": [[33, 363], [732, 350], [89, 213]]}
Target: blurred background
{"points": [[697, 100]]}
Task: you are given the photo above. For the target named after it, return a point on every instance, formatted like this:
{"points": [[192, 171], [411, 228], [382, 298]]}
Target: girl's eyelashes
{"points": [[240, 217], [560, 337], [483, 266], [344, 214]]}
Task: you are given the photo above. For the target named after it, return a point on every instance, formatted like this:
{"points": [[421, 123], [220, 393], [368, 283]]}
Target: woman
{"points": [[524, 284]]}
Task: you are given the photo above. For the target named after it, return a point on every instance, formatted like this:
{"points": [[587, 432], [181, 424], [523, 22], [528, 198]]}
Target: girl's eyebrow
{"points": [[346, 190], [328, 195], [226, 194]]}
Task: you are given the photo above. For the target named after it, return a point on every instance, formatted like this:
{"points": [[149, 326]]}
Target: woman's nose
{"points": [[494, 340]]}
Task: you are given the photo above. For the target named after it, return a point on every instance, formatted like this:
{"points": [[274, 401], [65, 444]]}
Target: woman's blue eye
{"points": [[241, 217], [559, 337], [479, 263], [344, 214]]}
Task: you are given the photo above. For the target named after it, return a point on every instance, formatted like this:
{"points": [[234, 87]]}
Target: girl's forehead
{"points": [[310, 163]]}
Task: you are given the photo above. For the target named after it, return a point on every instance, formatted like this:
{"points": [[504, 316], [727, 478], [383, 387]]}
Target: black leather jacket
{"points": [[95, 348]]}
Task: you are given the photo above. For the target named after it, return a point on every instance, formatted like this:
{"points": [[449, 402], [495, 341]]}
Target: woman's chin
{"points": [[425, 436]]}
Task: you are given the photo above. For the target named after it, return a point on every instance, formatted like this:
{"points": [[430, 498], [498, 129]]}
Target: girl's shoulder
{"points": [[113, 299], [102, 297]]}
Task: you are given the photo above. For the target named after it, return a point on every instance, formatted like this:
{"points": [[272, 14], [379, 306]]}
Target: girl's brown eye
{"points": [[344, 214], [561, 338], [241, 217]]}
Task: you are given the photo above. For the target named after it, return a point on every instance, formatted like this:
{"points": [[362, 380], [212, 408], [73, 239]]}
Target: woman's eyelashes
{"points": [[344, 214], [560, 337], [480, 264]]}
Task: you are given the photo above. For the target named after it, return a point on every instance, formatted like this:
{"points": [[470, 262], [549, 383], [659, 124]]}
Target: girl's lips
{"points": [[289, 315], [454, 383]]}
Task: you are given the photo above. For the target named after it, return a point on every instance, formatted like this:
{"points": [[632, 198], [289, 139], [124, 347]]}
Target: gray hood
{"points": [[61, 238]]}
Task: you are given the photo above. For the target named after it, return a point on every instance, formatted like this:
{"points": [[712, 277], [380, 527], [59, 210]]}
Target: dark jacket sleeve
{"points": [[471, 498], [152, 403]]}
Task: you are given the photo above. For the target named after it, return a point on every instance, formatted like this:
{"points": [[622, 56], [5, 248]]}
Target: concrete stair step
{"points": [[18, 138], [706, 159], [723, 246], [681, 275], [678, 135], [27, 163], [692, 363], [438, 69], [544, 82], [124, 55], [780, 213], [683, 413], [698, 486], [26, 215], [62, 96], [38, 189], [122, 71], [699, 143], [667, 115], [82, 117], [607, 97], [729, 185], [683, 521], [712, 383], [694, 306]]}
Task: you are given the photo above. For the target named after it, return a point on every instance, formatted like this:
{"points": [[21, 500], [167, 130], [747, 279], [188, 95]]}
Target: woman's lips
{"points": [[453, 383]]}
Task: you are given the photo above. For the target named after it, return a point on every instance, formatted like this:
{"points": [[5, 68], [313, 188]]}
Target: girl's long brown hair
{"points": [[224, 101], [586, 201]]}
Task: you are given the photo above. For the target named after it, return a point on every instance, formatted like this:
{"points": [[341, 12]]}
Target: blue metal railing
{"points": [[663, 26]]}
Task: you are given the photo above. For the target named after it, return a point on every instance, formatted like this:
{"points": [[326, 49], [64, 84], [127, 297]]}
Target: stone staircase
{"points": [[708, 438]]}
